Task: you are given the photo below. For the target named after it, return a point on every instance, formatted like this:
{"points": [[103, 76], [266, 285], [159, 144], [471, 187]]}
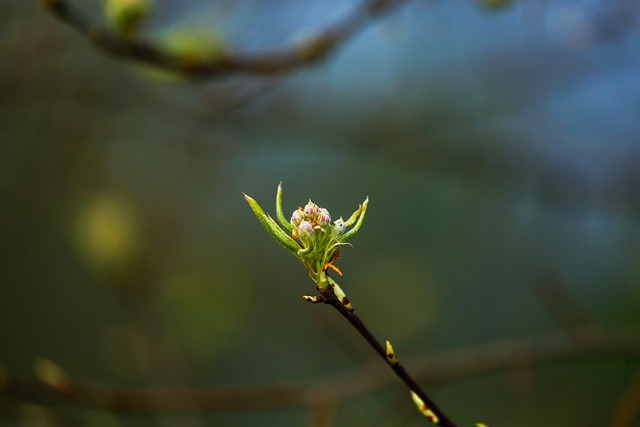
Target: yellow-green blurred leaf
{"points": [[107, 232], [127, 16], [49, 372], [190, 45]]}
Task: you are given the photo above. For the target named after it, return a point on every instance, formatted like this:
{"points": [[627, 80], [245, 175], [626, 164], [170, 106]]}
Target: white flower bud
{"points": [[324, 217], [339, 225], [310, 209], [305, 227], [305, 233], [296, 217]]}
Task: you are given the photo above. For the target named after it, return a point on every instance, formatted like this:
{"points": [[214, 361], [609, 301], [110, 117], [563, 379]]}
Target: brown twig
{"points": [[268, 62], [398, 369], [544, 349]]}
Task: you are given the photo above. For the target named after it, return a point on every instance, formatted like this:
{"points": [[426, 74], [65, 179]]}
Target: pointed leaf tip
{"points": [[358, 219], [279, 213], [272, 227]]}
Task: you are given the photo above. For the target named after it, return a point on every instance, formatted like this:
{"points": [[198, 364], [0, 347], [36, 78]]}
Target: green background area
{"points": [[499, 149]]}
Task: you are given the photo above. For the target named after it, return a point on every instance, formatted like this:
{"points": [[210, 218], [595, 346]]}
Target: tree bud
{"points": [[296, 217], [305, 227], [310, 209], [324, 217]]}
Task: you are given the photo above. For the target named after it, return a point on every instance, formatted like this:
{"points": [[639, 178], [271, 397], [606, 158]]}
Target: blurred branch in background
{"points": [[490, 358], [578, 324], [303, 51], [564, 307], [628, 410]]}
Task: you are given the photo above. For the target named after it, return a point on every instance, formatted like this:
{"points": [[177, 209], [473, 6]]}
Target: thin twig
{"points": [[398, 369], [267, 62]]}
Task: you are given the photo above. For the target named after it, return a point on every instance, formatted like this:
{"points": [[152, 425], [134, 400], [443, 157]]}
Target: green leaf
{"points": [[359, 214], [279, 214], [272, 227]]}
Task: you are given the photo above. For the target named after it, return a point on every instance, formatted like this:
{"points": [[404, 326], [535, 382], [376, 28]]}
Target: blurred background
{"points": [[497, 141]]}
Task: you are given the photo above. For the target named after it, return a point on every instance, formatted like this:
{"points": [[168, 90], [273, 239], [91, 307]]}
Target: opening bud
{"points": [[296, 217], [339, 225], [310, 209], [303, 230], [305, 227], [324, 217]]}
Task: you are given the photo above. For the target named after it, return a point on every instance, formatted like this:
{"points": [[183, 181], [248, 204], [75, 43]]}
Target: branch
{"points": [[491, 358], [440, 418], [268, 62]]}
